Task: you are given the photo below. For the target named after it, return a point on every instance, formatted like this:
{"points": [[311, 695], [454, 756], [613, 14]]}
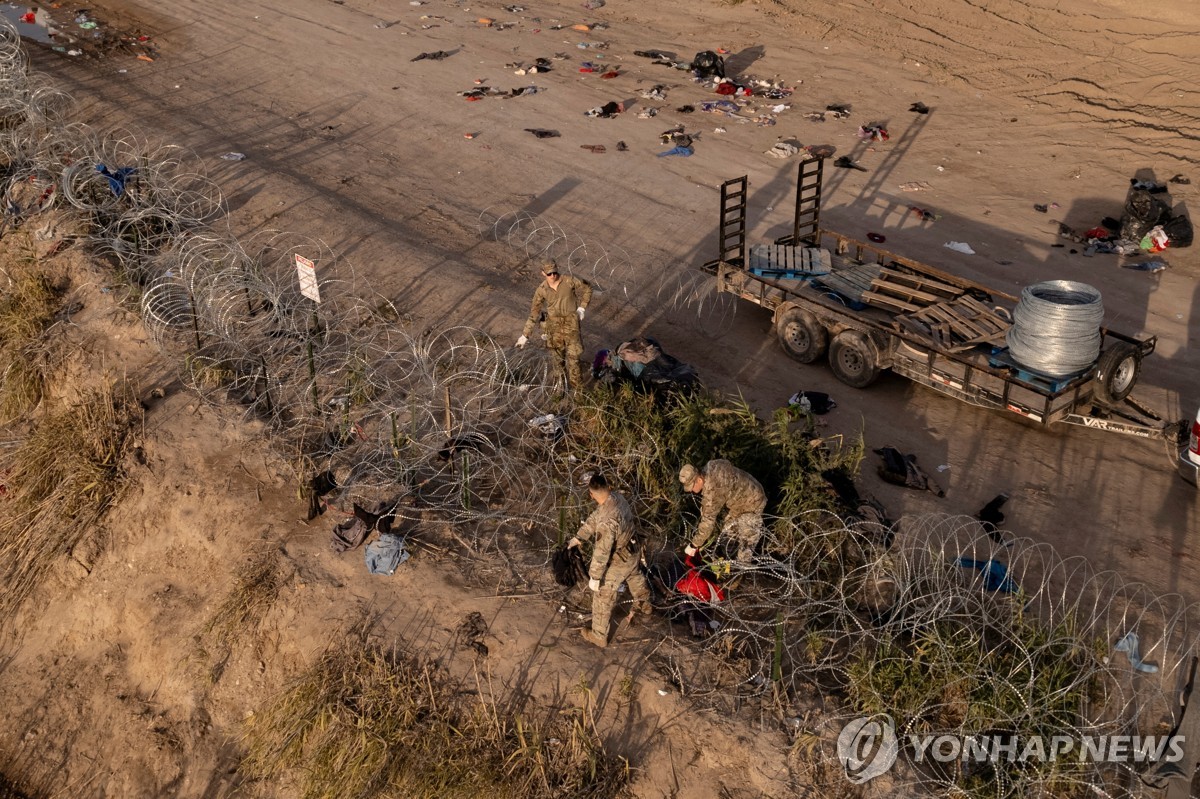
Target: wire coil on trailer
{"points": [[1056, 328]]}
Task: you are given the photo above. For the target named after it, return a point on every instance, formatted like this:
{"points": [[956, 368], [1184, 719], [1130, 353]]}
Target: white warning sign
{"points": [[306, 271]]}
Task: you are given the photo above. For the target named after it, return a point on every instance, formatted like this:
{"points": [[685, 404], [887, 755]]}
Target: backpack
{"points": [[708, 64]]}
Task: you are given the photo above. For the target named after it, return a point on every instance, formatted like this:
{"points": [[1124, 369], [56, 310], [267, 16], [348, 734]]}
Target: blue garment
{"points": [[684, 151], [1129, 645], [385, 553], [116, 180], [995, 574]]}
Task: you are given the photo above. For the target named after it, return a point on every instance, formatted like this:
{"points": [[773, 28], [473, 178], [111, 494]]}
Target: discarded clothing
{"points": [[1130, 646], [655, 54], [436, 55], [900, 469], [542, 133], [991, 517], [1147, 266], [872, 133], [919, 108], [606, 111], [1179, 231], [348, 534], [385, 554], [995, 574], [720, 107], [117, 179], [568, 566], [639, 351], [783, 149], [816, 402], [959, 246], [658, 92], [682, 151], [845, 162]]}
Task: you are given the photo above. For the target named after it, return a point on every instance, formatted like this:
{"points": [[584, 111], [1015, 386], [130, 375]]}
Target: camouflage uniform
{"points": [[613, 525], [728, 487], [562, 321]]}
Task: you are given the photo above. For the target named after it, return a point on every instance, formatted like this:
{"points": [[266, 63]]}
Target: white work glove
{"points": [[690, 550], [594, 585], [521, 342], [574, 542], [580, 312]]}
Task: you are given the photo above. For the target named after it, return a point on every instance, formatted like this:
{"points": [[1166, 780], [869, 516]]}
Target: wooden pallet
{"points": [[778, 258], [956, 325], [913, 291], [852, 282]]}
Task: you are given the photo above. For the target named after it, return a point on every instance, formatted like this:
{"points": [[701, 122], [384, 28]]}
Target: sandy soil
{"points": [[348, 140]]}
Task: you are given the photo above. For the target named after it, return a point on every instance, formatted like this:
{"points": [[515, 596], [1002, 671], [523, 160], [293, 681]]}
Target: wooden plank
{"points": [[926, 284], [904, 292], [889, 303]]}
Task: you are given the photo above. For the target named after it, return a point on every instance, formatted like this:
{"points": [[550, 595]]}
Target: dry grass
{"points": [[61, 481], [367, 722], [8, 790], [254, 593], [28, 302]]}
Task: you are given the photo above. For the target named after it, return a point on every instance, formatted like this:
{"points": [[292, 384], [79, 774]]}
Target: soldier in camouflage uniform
{"points": [[565, 299], [723, 486], [615, 557]]}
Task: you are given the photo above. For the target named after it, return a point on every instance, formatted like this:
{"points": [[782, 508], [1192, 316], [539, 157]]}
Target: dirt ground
{"points": [[350, 141]]}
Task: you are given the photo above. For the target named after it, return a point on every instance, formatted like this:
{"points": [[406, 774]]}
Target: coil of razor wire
{"points": [[1056, 327]]}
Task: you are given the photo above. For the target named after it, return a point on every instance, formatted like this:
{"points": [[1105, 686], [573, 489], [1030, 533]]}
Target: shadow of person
{"points": [[738, 63]]}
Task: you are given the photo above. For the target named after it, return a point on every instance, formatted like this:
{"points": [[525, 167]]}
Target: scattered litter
{"points": [[816, 402], [959, 246], [783, 149], [1180, 180], [581, 27], [654, 54], [940, 168], [719, 130], [514, 9], [233, 157], [779, 109], [845, 162], [924, 214], [682, 151], [87, 26], [663, 692], [468, 135], [873, 133], [915, 185], [523, 90], [549, 425], [919, 108], [542, 133], [1147, 266], [1155, 240], [485, 21], [592, 5], [945, 467], [118, 178], [436, 55], [612, 73], [901, 469], [657, 92], [647, 113], [141, 56], [878, 238], [1041, 208], [592, 45], [622, 147], [381, 25], [595, 148], [686, 109], [386, 553], [1129, 645], [606, 111]]}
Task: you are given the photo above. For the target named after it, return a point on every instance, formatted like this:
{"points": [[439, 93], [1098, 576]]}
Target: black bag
{"points": [[708, 65], [1179, 231], [567, 564], [348, 534]]}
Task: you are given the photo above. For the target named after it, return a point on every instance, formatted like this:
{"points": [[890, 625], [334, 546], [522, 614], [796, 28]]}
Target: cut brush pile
{"points": [[29, 300]]}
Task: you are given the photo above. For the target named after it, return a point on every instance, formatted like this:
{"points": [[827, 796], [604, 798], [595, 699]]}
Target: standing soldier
{"points": [[723, 486], [565, 299], [615, 558]]}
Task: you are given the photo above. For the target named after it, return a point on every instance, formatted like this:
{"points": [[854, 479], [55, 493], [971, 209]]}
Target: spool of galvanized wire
{"points": [[1056, 328]]}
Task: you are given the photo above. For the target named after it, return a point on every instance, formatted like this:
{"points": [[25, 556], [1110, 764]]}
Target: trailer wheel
{"points": [[853, 359], [801, 335], [1117, 373]]}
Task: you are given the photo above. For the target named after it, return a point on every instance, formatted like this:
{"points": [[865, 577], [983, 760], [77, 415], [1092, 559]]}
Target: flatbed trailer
{"points": [[868, 310]]}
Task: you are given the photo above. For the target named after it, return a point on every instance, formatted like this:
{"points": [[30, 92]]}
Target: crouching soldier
{"points": [[723, 486], [615, 558]]}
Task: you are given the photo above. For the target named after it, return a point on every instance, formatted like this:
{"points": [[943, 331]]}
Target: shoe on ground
{"points": [[592, 637]]}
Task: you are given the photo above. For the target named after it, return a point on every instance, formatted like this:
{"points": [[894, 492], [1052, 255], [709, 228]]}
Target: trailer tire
{"points": [[854, 359], [800, 334], [1117, 372]]}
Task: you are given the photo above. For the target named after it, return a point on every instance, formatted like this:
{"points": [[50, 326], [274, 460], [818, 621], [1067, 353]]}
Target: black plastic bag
{"points": [[1179, 231], [708, 65], [1142, 212], [567, 564]]}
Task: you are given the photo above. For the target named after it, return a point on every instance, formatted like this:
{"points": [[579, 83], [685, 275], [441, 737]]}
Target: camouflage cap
{"points": [[688, 475], [549, 265]]}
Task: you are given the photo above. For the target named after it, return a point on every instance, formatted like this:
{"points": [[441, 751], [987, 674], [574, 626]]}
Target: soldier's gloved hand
{"points": [[594, 585], [574, 542], [522, 341], [580, 312], [690, 550]]}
